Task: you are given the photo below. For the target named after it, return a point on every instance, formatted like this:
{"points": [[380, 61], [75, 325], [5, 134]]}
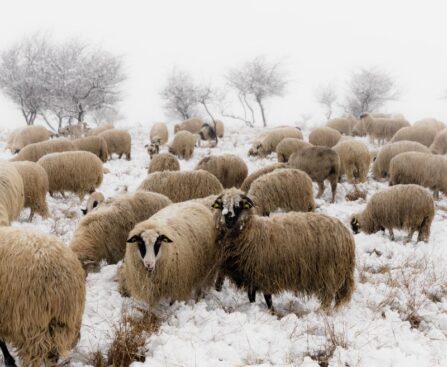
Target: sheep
{"points": [[288, 146], [344, 125], [74, 131], [320, 163], [262, 171], [36, 187], [11, 138], [163, 162], [359, 129], [324, 137], [192, 125], [93, 144], [308, 253], [381, 165], [183, 145], [420, 168], [78, 172], [408, 207], [35, 151], [28, 135], [208, 132], [98, 130], [102, 234], [267, 142], [159, 133], [422, 134], [94, 201], [42, 299], [439, 145], [229, 169], [118, 141], [173, 255], [220, 128], [286, 189], [354, 160], [12, 193], [382, 129], [181, 186], [432, 123]]}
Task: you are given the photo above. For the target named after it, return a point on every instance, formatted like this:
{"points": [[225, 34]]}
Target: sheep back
{"points": [[93, 144], [29, 135], [118, 142], [324, 137], [35, 151], [183, 144], [344, 125], [98, 130], [163, 162], [258, 173], [12, 194], [229, 169], [431, 123], [192, 125], [288, 146], [267, 142], [354, 160], [422, 134]]}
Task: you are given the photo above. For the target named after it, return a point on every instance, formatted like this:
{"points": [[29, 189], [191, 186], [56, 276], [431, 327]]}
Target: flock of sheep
{"points": [[182, 232]]}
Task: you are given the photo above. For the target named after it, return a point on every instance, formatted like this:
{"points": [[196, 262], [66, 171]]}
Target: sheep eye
{"points": [[217, 205]]}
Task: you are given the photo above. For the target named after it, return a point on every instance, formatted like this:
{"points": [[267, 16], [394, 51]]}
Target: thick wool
{"points": [[421, 169], [262, 171], [163, 162], [118, 142], [407, 207], [229, 169], [267, 142], [285, 189], [93, 144], [320, 163], [306, 253], [102, 234], [344, 125], [184, 267], [159, 133], [78, 172], [182, 185], [354, 160], [43, 296], [439, 145], [36, 187], [381, 165], [183, 144], [193, 125], [28, 135], [382, 129], [35, 151], [359, 129], [431, 123], [288, 146], [324, 137], [98, 130], [421, 134], [12, 194]]}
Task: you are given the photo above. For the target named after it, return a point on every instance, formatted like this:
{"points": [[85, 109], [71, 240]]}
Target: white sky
{"points": [[318, 41]]}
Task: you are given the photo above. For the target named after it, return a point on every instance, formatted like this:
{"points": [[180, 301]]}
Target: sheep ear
{"points": [[84, 211], [247, 203], [95, 204], [164, 238], [135, 239]]}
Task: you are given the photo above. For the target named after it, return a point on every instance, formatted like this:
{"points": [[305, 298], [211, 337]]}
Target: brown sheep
{"points": [[439, 145], [193, 125], [159, 133], [163, 162], [93, 144], [35, 151], [262, 171], [229, 169], [422, 134], [183, 145], [382, 129], [98, 130], [354, 160], [28, 135], [324, 137], [344, 125], [288, 146], [12, 194], [118, 141], [267, 142]]}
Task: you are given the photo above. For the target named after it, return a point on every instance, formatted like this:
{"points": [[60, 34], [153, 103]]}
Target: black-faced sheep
{"points": [[382, 129], [102, 234], [42, 298], [288, 146], [118, 142], [285, 189], [163, 162], [324, 137], [192, 125], [27, 136], [408, 207], [258, 173], [344, 125], [320, 163], [267, 142], [422, 134], [36, 187], [439, 145], [381, 165], [308, 253], [354, 160], [229, 169], [93, 144], [421, 169], [12, 194], [172, 255], [78, 172], [183, 145], [182, 185], [35, 151]]}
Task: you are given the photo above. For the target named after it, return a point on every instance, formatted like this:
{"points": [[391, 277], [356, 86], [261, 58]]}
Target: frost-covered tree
{"points": [[326, 97], [256, 81], [369, 90]]}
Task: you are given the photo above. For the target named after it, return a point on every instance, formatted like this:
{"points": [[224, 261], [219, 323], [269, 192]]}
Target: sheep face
{"points": [[153, 149], [255, 149], [149, 243], [232, 207]]}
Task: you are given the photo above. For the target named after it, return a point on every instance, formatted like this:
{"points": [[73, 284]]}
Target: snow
{"points": [[396, 285]]}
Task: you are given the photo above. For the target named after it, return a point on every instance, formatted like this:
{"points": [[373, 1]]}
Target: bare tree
{"points": [[257, 80], [180, 95], [369, 90], [326, 97]]}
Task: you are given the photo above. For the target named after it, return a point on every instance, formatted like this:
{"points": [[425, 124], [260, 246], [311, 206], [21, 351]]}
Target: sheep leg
{"points": [[410, 236], [128, 156], [424, 230], [320, 189], [52, 358], [334, 189], [268, 300], [219, 282], [119, 157], [251, 293], [31, 215], [9, 360], [436, 194], [391, 234]]}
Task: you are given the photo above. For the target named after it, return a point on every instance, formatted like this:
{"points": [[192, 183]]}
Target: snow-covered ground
{"points": [[397, 316]]}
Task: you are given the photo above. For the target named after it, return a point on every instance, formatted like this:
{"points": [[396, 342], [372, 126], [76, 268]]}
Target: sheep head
{"points": [[232, 207]]}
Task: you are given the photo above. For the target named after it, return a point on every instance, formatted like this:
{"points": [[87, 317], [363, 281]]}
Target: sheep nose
{"points": [[149, 266]]}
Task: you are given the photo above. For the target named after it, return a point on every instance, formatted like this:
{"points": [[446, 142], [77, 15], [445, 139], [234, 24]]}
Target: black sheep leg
{"points": [[268, 300], [251, 291], [9, 360]]}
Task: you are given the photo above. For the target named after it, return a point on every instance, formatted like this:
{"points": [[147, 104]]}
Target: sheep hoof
{"points": [[268, 300]]}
